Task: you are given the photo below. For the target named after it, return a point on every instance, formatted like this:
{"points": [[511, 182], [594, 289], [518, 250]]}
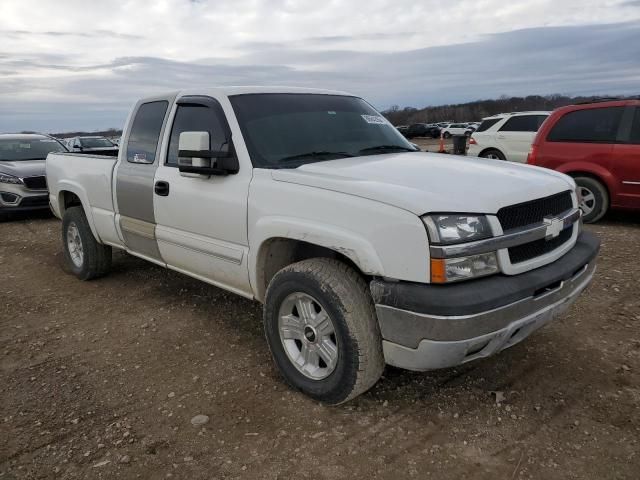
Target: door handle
{"points": [[161, 188]]}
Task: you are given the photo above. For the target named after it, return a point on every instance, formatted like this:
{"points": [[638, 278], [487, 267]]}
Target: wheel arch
{"points": [[74, 196], [599, 175], [287, 243], [489, 149]]}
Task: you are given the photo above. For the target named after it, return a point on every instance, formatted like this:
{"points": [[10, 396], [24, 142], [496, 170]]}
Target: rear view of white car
{"points": [[451, 129], [506, 136]]}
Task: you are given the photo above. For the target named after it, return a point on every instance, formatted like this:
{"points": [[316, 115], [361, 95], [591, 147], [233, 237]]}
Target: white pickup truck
{"points": [[363, 250]]}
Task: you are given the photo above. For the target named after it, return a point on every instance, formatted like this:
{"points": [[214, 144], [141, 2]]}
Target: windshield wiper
{"points": [[316, 155], [386, 148]]}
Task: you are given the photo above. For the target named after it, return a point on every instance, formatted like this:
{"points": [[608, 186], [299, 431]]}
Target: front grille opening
{"points": [[527, 251], [534, 211], [39, 201], [547, 289], [515, 332], [35, 183]]}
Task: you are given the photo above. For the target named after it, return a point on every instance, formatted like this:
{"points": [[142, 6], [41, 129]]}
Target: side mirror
{"points": [[196, 160]]}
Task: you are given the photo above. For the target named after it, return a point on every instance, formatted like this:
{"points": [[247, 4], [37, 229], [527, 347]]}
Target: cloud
{"points": [[60, 76]]}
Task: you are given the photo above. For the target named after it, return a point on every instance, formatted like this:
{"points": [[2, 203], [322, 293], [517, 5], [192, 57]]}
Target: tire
{"points": [[446, 135], [494, 154], [89, 259], [595, 198], [342, 294]]}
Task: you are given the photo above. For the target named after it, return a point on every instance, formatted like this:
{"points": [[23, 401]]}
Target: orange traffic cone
{"points": [[441, 149]]}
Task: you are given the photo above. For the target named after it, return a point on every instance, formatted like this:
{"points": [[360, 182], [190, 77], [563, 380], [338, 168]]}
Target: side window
{"points": [[523, 123], [590, 125], [145, 132], [635, 127], [195, 118]]}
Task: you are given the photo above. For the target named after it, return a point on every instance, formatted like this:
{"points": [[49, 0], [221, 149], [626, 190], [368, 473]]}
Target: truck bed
{"points": [[90, 178]]}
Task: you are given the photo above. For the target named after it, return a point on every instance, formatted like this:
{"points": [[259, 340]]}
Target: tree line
{"points": [[477, 110]]}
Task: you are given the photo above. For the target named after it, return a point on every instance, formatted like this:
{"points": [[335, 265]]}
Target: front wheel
{"points": [[83, 255], [594, 199], [322, 330], [446, 135]]}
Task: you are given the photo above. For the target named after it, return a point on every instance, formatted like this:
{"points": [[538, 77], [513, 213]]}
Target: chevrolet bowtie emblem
{"points": [[554, 227]]}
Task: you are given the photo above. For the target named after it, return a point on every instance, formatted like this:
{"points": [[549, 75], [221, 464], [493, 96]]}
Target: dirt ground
{"points": [[101, 379]]}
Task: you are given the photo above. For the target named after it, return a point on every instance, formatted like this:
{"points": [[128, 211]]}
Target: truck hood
{"points": [[424, 182], [23, 168]]}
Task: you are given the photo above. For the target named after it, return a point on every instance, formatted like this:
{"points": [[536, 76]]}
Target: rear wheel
{"points": [[322, 330], [446, 135], [494, 154], [594, 201], [83, 255]]}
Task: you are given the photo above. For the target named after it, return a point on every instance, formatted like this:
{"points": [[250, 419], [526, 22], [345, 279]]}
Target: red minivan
{"points": [[598, 144]]}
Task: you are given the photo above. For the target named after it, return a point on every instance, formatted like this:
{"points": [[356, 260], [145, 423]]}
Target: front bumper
{"points": [[426, 327], [18, 198]]}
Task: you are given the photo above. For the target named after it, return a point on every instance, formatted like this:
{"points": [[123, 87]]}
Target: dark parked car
{"points": [[598, 144], [423, 130], [403, 129]]}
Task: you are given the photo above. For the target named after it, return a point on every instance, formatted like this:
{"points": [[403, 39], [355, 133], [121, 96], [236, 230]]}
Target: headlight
{"points": [[6, 178], [446, 229], [445, 270]]}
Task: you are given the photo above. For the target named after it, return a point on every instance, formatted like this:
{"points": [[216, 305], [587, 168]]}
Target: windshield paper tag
{"points": [[374, 119]]}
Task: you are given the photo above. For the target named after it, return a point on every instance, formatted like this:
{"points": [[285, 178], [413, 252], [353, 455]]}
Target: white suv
{"points": [[453, 129], [506, 136]]}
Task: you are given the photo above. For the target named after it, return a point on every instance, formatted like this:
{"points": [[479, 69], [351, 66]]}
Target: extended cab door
{"points": [[135, 174], [516, 135], [202, 220]]}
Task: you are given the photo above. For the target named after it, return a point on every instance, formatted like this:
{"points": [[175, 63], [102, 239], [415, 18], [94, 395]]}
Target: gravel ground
{"points": [[103, 379]]}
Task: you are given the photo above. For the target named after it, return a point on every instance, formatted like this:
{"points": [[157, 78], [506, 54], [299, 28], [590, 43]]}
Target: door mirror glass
{"points": [[189, 145]]}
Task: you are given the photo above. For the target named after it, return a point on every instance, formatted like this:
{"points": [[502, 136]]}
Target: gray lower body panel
{"points": [[441, 341]]}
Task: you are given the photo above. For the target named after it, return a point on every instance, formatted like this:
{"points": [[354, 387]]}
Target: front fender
{"points": [[348, 243]]}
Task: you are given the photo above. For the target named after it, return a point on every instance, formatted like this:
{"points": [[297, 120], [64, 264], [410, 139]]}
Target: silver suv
{"points": [[23, 184]]}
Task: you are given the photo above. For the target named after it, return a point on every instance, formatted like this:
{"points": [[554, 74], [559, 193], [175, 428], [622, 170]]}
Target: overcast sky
{"points": [[80, 64]]}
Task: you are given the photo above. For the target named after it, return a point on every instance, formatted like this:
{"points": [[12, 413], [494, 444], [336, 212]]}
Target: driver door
{"points": [[202, 220]]}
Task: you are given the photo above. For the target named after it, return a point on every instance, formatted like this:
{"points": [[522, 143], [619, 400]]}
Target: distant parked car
{"points": [[403, 129], [93, 144], [471, 127], [423, 130], [506, 136], [23, 184], [598, 144], [453, 129]]}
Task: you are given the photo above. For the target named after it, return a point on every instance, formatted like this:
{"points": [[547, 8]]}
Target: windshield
{"points": [[16, 149], [289, 130], [96, 142]]}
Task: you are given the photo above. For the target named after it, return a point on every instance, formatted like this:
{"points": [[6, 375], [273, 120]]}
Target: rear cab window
{"points": [[145, 132], [596, 125]]}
